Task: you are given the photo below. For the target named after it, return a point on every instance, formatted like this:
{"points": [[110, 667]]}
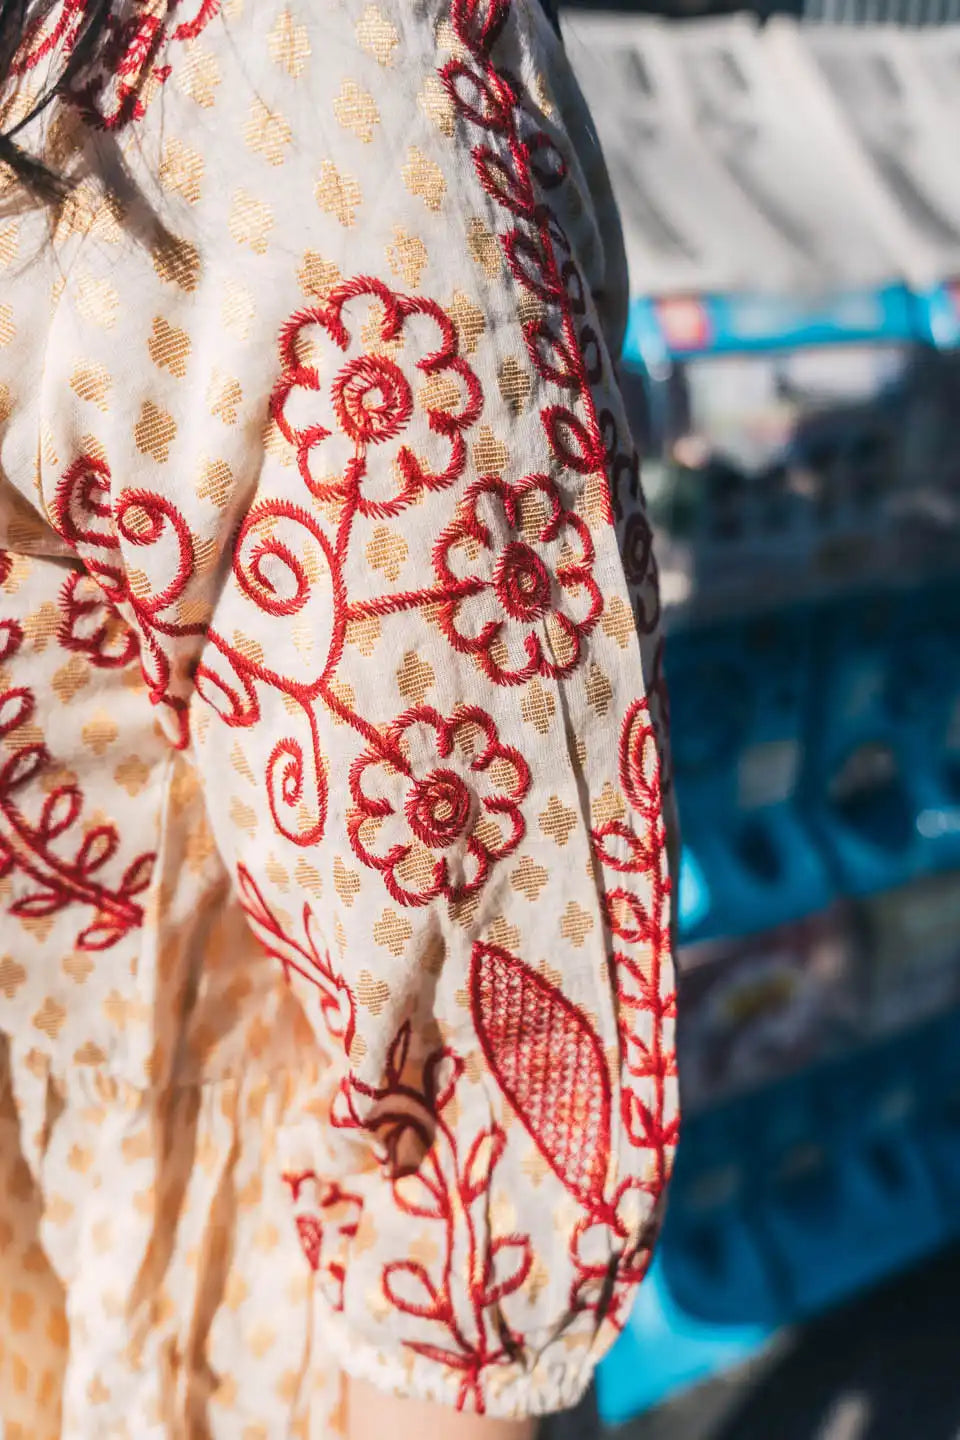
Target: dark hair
{"points": [[20, 20]]}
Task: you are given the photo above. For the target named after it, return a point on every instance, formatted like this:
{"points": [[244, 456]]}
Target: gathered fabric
{"points": [[336, 989]]}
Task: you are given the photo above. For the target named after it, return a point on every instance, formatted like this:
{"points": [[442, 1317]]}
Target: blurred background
{"points": [[790, 190]]}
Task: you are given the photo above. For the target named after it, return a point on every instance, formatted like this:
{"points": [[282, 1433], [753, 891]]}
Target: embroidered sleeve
{"points": [[404, 615]]}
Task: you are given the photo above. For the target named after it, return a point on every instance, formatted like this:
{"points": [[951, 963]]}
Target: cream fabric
{"points": [[336, 997]]}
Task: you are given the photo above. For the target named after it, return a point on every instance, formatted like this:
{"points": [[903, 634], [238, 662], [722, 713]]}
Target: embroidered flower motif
{"points": [[375, 397], [438, 804], [516, 569]]}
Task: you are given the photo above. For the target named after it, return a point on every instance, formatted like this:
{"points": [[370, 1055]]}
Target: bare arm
{"points": [[374, 1415]]}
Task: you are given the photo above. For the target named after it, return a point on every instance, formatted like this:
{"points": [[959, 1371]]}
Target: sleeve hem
{"points": [[554, 1381]]}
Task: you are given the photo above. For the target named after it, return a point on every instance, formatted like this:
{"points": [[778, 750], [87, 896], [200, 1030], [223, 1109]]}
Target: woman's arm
{"points": [[374, 1415]]}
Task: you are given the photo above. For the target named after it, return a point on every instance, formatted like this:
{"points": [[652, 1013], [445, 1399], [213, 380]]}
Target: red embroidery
{"points": [[430, 821], [516, 161], [84, 516], [549, 1062], [644, 928], [90, 626], [370, 402], [437, 799], [62, 862], [503, 614], [514, 158], [114, 91], [304, 958], [46, 33], [325, 1229], [460, 1295]]}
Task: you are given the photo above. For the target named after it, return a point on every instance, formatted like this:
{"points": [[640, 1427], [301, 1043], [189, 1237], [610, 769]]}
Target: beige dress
{"points": [[336, 996]]}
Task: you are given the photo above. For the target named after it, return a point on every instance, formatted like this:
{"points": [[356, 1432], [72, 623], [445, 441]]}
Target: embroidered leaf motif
{"points": [[100, 936], [98, 847], [440, 1076], [59, 812], [509, 1263], [619, 846], [16, 708], [416, 1194], [640, 762], [484, 1154], [39, 904], [550, 1064], [628, 917], [23, 766], [138, 875], [311, 1238], [409, 1288]]}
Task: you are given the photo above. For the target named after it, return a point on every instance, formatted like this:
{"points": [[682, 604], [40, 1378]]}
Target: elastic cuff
{"points": [[554, 1380]]}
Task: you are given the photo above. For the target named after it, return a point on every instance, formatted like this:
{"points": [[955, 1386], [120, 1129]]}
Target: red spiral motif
{"points": [[287, 795], [262, 563], [143, 520]]}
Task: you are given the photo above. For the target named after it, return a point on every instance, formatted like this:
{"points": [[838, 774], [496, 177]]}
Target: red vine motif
{"points": [[639, 857], [433, 1180], [287, 563], [304, 958], [34, 843], [424, 816], [325, 1229], [115, 90], [87, 519], [524, 1022], [514, 162]]}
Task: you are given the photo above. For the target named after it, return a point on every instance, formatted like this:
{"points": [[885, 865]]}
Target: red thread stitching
{"points": [[442, 807], [111, 93], [35, 847], [490, 101], [432, 1181]]}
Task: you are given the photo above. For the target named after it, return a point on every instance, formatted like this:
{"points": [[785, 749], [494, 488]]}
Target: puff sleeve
{"points": [[374, 512]]}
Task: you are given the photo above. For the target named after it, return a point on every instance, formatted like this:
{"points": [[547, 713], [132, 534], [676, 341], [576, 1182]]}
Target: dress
{"points": [[336, 991]]}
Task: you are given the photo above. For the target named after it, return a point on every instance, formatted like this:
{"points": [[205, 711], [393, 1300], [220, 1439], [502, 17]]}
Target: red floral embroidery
{"points": [[515, 160], [115, 89], [370, 402], [444, 803], [638, 911], [458, 1298], [85, 517], [41, 834], [549, 1061], [325, 1228], [523, 596], [304, 958], [437, 799]]}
